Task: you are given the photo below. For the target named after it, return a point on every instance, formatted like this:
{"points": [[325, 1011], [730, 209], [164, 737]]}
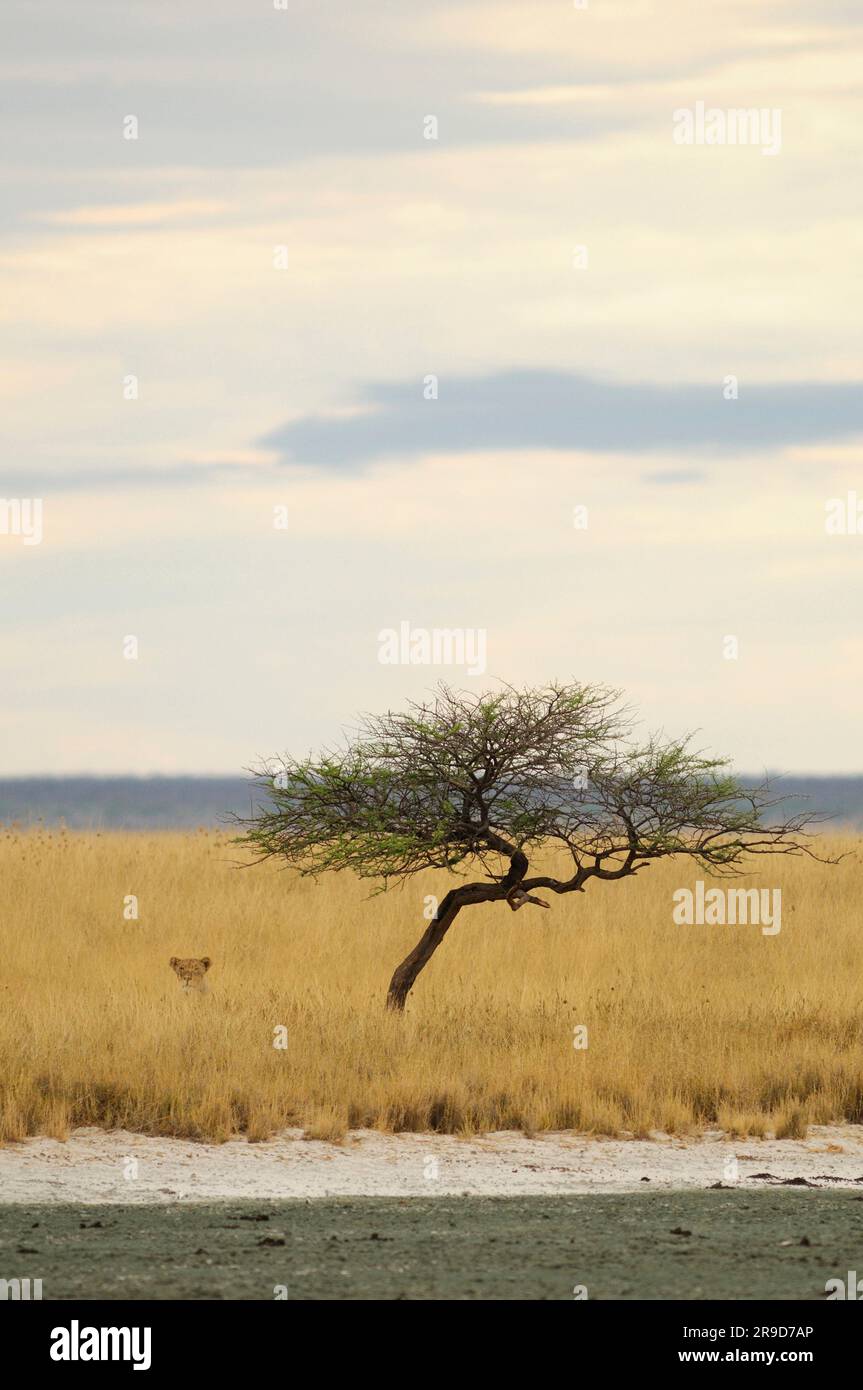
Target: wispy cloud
{"points": [[111, 215], [553, 410]]}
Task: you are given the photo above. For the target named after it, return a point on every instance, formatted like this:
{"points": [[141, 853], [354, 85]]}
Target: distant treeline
{"points": [[127, 803], [166, 803]]}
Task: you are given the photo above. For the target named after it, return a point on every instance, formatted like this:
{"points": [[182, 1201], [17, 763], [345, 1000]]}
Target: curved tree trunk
{"points": [[406, 974]]}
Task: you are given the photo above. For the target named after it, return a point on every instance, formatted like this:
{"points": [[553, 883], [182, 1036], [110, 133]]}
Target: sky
{"points": [[328, 322]]}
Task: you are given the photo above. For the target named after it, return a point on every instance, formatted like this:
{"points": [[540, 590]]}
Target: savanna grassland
{"points": [[688, 1026]]}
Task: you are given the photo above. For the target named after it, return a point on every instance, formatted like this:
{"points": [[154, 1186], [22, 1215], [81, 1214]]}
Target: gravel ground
{"points": [[778, 1244]]}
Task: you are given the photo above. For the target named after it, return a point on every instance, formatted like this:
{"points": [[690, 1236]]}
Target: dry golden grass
{"points": [[688, 1026]]}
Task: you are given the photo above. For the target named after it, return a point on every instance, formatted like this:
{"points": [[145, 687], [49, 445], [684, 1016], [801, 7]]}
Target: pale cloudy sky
{"points": [[560, 384]]}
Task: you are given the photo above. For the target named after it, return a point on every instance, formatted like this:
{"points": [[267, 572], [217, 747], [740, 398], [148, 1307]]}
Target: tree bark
{"points": [[406, 974]]}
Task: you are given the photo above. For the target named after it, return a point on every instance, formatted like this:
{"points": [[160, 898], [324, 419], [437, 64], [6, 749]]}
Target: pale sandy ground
{"points": [[93, 1166]]}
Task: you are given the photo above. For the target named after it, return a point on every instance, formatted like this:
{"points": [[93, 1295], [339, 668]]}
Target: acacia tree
{"points": [[487, 780]]}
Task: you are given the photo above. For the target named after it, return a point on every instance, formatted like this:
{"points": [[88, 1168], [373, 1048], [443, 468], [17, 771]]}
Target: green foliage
{"points": [[476, 777]]}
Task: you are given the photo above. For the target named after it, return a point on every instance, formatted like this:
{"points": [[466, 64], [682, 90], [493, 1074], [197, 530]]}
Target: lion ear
{"points": [[206, 962], [174, 961]]}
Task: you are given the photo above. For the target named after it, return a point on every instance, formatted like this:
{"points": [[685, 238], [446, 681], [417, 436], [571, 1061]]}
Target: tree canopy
{"points": [[476, 778]]}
